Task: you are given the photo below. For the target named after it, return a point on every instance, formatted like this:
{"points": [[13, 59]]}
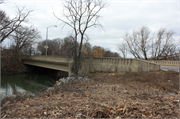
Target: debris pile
{"points": [[71, 80]]}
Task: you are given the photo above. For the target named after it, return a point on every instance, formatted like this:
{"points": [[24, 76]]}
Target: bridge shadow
{"points": [[49, 73]]}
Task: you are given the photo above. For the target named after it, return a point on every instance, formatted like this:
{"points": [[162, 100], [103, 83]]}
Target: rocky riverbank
{"points": [[127, 95]]}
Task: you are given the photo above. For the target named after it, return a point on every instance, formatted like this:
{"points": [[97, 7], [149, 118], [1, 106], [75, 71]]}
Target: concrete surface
{"points": [[166, 62], [117, 65], [166, 68], [51, 62], [92, 64]]}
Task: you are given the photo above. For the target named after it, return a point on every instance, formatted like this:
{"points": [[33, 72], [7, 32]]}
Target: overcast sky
{"points": [[119, 17]]}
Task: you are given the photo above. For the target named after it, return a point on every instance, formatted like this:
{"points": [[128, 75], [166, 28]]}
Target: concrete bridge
{"points": [[92, 64], [51, 62]]}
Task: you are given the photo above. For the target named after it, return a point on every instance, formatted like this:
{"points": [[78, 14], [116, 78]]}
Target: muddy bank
{"points": [[127, 95]]}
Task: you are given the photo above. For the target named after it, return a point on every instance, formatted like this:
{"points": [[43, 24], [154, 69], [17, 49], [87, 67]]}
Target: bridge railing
{"points": [[118, 65], [166, 62]]}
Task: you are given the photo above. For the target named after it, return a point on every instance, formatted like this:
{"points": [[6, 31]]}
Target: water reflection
{"points": [[10, 84], [9, 90]]}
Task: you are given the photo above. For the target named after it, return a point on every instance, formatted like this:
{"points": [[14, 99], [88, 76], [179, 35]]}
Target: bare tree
{"points": [[27, 49], [8, 26], [177, 54], [108, 53], [131, 46], [141, 44], [41, 48], [69, 46], [52, 46], [163, 44], [81, 15], [62, 47], [22, 37], [138, 43], [144, 40], [123, 49], [59, 43]]}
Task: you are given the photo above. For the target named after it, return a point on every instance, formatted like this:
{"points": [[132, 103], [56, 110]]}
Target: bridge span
{"points": [[51, 62], [92, 64]]}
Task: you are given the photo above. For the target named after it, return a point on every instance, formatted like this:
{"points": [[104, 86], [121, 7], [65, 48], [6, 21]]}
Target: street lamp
{"points": [[47, 37]]}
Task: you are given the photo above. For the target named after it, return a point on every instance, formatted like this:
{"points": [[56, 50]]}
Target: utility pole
{"points": [[47, 37]]}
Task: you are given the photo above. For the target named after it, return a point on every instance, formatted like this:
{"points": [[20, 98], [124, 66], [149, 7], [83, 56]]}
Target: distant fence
{"points": [[165, 62]]}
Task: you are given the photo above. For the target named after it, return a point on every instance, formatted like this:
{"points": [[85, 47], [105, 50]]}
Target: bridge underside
{"points": [[50, 65]]}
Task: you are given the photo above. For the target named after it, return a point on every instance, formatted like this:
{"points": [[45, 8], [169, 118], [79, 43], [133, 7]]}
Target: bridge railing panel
{"points": [[120, 65], [165, 62]]}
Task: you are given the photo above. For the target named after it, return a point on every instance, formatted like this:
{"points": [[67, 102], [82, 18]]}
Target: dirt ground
{"points": [[107, 95]]}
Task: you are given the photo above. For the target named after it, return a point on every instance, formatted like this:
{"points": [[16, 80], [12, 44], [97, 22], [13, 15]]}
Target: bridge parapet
{"points": [[166, 62], [118, 65]]}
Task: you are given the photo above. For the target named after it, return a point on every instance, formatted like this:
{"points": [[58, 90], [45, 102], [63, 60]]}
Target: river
{"points": [[24, 82]]}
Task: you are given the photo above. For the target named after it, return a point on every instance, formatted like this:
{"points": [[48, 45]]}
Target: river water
{"points": [[24, 82]]}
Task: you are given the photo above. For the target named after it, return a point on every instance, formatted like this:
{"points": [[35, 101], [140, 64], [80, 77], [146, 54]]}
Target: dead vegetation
{"points": [[127, 95], [15, 98]]}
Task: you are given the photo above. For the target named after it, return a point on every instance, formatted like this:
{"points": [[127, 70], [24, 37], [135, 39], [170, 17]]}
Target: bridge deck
{"points": [[56, 66]]}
